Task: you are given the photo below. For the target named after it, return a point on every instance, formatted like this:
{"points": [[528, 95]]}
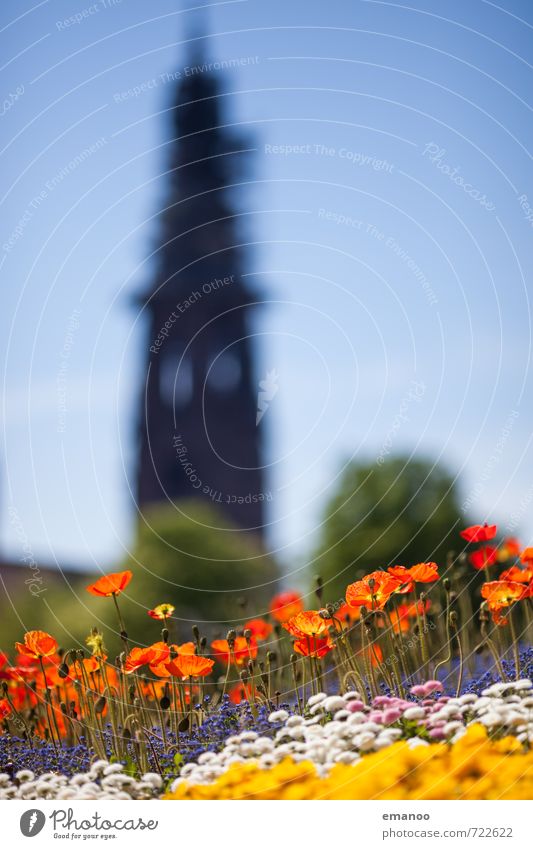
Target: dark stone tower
{"points": [[198, 420]]}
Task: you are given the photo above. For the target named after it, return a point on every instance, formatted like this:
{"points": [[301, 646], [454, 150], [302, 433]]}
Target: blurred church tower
{"points": [[199, 436]]}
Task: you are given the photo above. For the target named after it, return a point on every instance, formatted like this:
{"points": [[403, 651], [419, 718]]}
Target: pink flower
{"points": [[391, 715], [432, 686]]}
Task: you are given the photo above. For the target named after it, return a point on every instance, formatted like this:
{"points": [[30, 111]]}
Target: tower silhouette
{"points": [[199, 436]]}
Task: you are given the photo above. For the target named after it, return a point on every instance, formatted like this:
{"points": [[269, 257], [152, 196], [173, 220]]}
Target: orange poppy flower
{"points": [[37, 644], [373, 591], [424, 573], [515, 573], [160, 665], [420, 573], [501, 594], [160, 653], [313, 646], [400, 618], [138, 657], [239, 693], [285, 605], [420, 608], [527, 555], [240, 654], [185, 648], [373, 653], [112, 584], [407, 584], [191, 666], [345, 613], [162, 611], [307, 624], [479, 533], [260, 628], [483, 557], [508, 549]]}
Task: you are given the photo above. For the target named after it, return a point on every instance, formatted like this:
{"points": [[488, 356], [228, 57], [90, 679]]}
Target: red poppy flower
{"points": [[527, 555], [37, 644], [479, 533], [260, 628], [373, 591], [286, 604], [313, 646], [5, 709], [483, 557], [191, 666], [240, 654], [307, 624], [112, 584]]}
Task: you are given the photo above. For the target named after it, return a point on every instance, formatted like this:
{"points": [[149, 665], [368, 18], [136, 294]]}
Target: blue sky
{"points": [[388, 216]]}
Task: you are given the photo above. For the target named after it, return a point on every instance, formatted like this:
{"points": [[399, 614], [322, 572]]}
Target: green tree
{"points": [[401, 512], [191, 557]]}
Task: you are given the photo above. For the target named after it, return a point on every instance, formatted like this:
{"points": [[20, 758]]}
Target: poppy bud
{"points": [[100, 705], [63, 670], [164, 635], [196, 632], [164, 703]]}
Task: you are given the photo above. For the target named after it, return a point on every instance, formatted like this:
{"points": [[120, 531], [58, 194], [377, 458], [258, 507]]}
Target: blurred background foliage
{"points": [[191, 557], [403, 511]]}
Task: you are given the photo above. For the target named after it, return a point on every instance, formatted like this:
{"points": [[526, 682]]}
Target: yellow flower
{"points": [[475, 767]]}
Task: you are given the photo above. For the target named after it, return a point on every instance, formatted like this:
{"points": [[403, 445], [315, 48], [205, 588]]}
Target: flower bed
{"points": [[388, 675], [475, 767]]}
